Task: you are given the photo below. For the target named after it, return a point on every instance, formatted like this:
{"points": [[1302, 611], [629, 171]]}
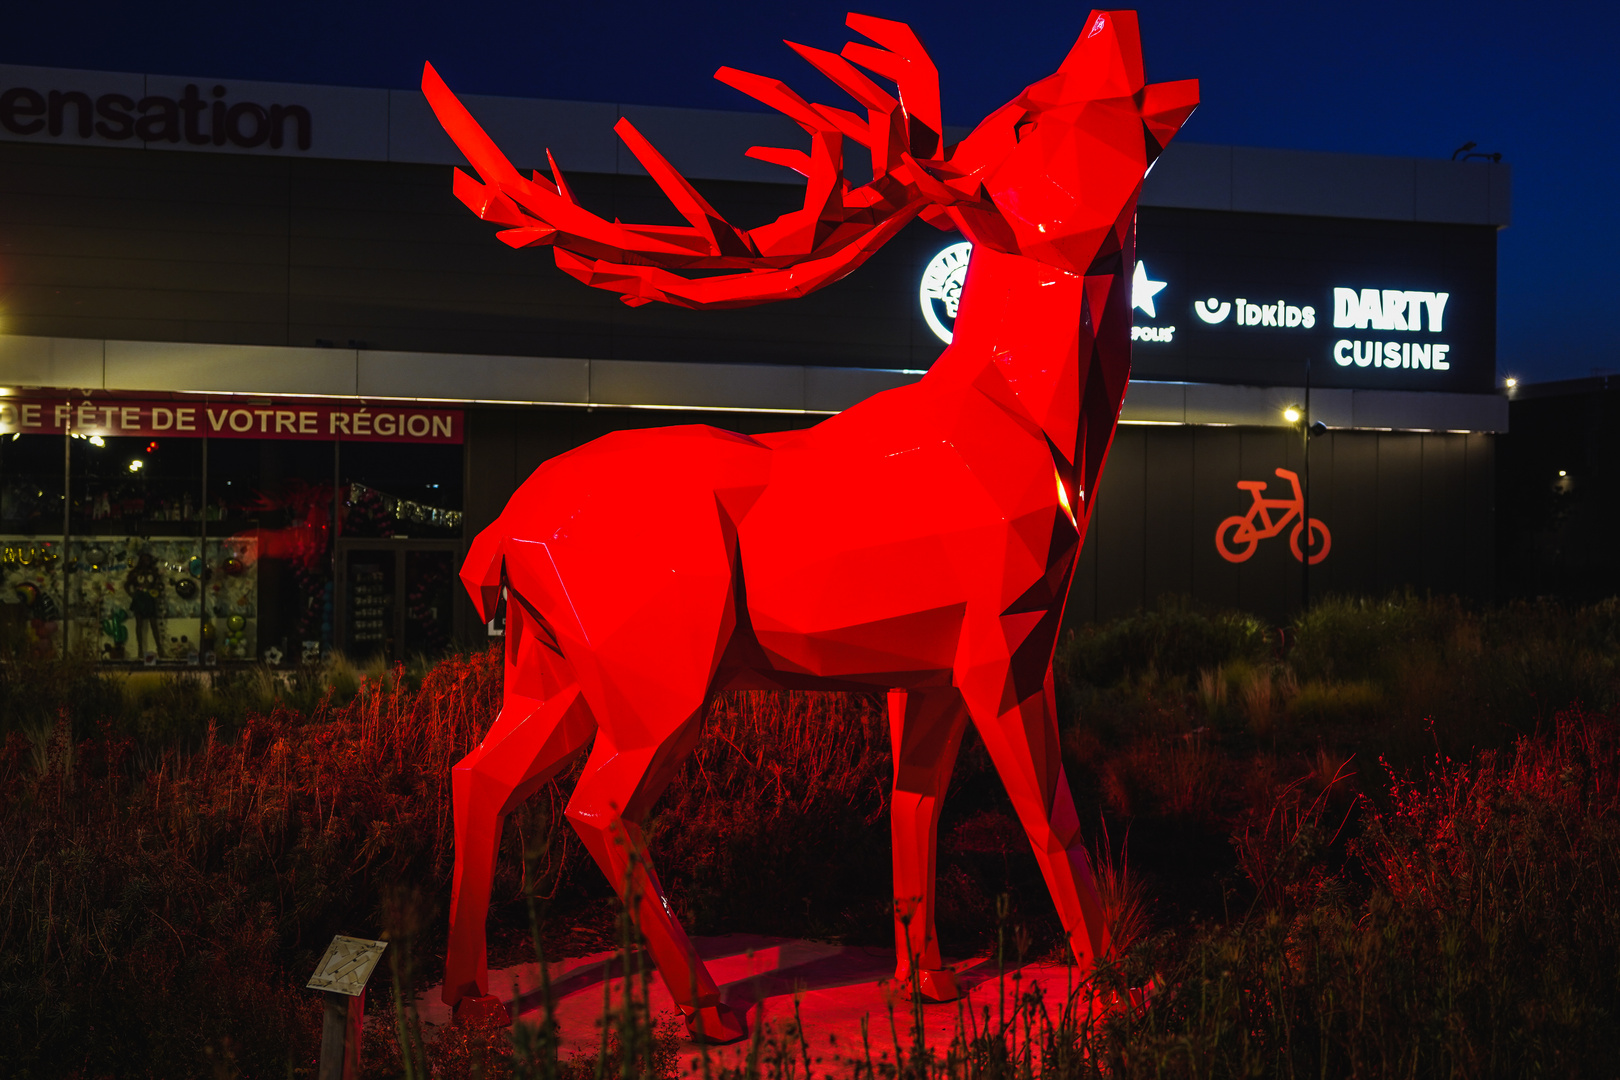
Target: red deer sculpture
{"points": [[921, 542]]}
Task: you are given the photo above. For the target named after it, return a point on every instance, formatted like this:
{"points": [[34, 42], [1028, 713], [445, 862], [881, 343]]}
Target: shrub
{"points": [[175, 853], [168, 902], [778, 816], [1485, 944], [1338, 704], [1173, 642]]}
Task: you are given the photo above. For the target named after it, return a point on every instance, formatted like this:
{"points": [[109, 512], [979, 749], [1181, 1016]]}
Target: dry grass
{"points": [[174, 855]]}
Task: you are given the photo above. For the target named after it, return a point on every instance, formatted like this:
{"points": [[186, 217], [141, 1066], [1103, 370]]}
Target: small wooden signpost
{"points": [[342, 975]]}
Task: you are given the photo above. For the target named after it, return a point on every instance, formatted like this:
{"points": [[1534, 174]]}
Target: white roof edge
{"points": [[358, 123], [470, 379]]}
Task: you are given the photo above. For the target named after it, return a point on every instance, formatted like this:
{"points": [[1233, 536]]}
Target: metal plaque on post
{"points": [[342, 975], [347, 965]]}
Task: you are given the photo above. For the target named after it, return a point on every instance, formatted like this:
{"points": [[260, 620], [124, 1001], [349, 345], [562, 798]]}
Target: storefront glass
{"points": [[31, 549], [275, 498], [400, 491], [136, 562], [201, 532], [399, 537]]}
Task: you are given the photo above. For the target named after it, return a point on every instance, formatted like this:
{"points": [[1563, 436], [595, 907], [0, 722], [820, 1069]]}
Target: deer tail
{"points": [[484, 570]]}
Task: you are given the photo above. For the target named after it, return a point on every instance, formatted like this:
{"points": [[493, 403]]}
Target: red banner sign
{"points": [[227, 420]]}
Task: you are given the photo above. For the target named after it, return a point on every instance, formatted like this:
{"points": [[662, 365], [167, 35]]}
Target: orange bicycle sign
{"points": [[1238, 536]]}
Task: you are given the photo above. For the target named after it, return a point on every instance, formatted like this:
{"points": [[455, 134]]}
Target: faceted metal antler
{"points": [[835, 231]]}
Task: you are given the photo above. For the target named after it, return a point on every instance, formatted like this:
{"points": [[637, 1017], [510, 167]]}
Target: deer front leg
{"points": [[925, 730], [1020, 733], [614, 794]]}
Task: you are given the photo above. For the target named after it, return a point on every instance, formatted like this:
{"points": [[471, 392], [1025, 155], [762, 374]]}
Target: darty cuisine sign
{"points": [[149, 419], [192, 118], [1381, 311]]}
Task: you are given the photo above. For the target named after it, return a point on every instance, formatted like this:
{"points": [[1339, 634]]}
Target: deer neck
{"points": [[1025, 335]]}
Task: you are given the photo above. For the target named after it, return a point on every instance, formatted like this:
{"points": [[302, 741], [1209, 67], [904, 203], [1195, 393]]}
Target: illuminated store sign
{"points": [[1391, 310], [1281, 313], [1411, 311], [1394, 335], [1271, 299], [104, 418], [941, 288]]}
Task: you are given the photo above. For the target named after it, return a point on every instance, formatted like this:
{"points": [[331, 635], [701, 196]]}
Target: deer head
{"points": [[1041, 176], [1020, 183]]}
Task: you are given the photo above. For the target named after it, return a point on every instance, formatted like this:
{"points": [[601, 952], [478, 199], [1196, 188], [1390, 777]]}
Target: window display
{"points": [[140, 598], [190, 531], [30, 597]]}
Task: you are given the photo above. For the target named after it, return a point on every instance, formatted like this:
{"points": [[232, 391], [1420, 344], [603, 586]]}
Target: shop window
{"points": [[397, 598], [370, 583], [430, 587], [401, 490], [129, 532], [275, 498], [31, 484], [136, 486], [136, 567], [32, 554]]}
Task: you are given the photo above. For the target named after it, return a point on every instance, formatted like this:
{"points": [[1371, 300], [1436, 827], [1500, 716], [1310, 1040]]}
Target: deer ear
{"points": [[1107, 59], [1166, 106]]}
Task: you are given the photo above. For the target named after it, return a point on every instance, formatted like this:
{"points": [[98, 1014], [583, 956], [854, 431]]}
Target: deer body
{"points": [[921, 542]]}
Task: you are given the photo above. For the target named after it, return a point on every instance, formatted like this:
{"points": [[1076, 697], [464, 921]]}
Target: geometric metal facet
{"points": [[347, 965]]}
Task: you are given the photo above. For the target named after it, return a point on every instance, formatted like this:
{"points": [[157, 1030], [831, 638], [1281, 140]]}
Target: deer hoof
{"points": [[938, 986], [717, 1025], [485, 1011]]}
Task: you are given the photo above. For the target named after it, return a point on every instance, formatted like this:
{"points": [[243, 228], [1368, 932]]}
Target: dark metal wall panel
{"points": [[106, 243], [1445, 506], [490, 464], [1168, 535], [224, 248], [1352, 565], [1400, 526], [1270, 580], [1217, 468], [103, 243], [1118, 523], [1405, 510], [506, 445], [1082, 602], [1322, 502]]}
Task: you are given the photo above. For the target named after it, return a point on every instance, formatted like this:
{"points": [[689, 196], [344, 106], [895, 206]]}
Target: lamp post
{"points": [[1305, 494], [1308, 430]]}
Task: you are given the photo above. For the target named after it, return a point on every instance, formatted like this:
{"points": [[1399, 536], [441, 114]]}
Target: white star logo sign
{"points": [[1143, 290]]}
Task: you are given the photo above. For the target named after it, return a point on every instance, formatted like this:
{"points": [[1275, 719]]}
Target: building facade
{"points": [[264, 377], [1558, 492]]}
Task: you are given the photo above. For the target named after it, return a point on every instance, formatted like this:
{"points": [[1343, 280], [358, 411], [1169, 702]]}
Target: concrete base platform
{"points": [[835, 987]]}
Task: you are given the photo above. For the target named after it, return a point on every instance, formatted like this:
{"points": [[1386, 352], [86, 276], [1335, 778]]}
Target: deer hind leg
{"points": [[543, 724], [1018, 723], [619, 786], [925, 730]]}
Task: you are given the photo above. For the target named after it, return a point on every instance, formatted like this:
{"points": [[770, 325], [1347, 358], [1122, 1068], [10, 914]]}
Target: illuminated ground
{"points": [[835, 987]]}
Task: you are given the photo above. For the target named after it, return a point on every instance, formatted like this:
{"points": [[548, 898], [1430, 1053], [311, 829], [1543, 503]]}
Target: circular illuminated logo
{"points": [[941, 289]]}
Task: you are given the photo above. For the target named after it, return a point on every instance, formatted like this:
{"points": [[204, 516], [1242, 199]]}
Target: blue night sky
{"points": [[1535, 83]]}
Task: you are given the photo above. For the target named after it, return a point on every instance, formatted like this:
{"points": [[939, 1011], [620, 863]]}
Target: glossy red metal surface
{"points": [[920, 543]]}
